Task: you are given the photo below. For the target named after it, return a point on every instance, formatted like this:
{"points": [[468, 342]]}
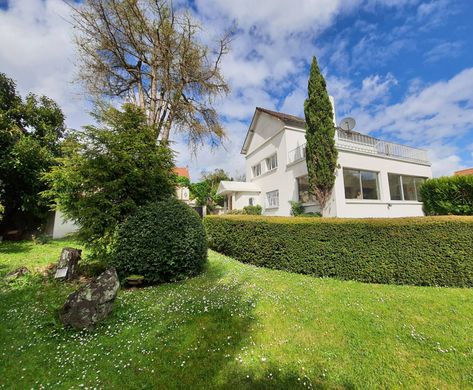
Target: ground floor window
{"points": [[403, 187], [272, 199], [303, 188], [360, 184]]}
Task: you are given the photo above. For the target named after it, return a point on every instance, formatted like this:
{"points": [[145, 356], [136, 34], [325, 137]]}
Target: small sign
{"points": [[61, 273]]}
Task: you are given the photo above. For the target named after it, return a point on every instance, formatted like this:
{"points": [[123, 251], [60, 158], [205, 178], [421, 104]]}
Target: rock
{"points": [[17, 273], [92, 302], [67, 265]]}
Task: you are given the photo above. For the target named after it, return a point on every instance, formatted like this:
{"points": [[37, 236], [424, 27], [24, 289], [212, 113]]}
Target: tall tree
{"points": [[30, 133], [148, 53], [321, 153], [106, 172]]}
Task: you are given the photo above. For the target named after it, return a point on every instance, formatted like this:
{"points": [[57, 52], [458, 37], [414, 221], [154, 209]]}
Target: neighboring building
{"points": [[464, 172], [374, 178], [182, 193]]}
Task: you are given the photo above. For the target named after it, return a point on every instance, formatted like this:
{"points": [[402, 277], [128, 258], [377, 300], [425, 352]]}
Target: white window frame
{"points": [[272, 162], [257, 168], [272, 199]]}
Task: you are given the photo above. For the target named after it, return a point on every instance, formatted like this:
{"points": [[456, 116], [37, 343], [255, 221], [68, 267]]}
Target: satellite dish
{"points": [[348, 124]]}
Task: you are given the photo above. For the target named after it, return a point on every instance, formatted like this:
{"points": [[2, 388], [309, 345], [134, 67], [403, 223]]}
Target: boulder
{"points": [[67, 265], [92, 302]]}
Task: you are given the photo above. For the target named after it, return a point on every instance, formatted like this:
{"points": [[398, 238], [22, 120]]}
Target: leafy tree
{"points": [[321, 153], [30, 133], [205, 191], [183, 181], [107, 172], [149, 53]]}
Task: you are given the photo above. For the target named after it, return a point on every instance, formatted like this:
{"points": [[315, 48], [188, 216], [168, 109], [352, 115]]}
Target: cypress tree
{"points": [[321, 154]]}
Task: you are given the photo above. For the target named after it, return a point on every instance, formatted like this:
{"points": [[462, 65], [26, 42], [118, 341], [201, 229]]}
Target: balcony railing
{"points": [[296, 154], [361, 143]]}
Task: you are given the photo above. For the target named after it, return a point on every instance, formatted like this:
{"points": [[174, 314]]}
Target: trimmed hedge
{"points": [[163, 241], [425, 251], [448, 195]]}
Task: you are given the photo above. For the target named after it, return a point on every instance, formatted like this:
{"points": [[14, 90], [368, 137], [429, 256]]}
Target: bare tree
{"points": [[146, 52]]}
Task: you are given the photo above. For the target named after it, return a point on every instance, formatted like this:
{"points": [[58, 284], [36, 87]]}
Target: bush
{"points": [[247, 210], [448, 195], [296, 208], [253, 210], [163, 241], [418, 251]]}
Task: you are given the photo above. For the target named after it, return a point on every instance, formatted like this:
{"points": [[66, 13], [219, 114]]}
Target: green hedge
{"points": [[431, 251], [448, 195]]}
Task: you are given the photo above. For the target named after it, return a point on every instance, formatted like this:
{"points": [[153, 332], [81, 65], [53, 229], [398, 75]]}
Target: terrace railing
{"points": [[361, 143]]}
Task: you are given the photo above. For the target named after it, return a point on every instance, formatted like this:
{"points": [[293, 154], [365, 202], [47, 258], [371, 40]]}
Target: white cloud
{"points": [[444, 50], [36, 50]]}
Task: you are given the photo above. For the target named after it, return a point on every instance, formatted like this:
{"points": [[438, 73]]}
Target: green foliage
{"points": [[253, 210], [247, 210], [448, 195], [183, 181], [163, 241], [205, 191], [433, 251], [30, 133], [321, 155], [296, 208], [107, 172]]}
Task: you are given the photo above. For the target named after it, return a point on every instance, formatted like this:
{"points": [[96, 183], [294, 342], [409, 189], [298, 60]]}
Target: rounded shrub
{"points": [[163, 241]]}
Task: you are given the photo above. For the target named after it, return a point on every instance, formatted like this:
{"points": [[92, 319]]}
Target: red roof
{"points": [[464, 172], [183, 171]]}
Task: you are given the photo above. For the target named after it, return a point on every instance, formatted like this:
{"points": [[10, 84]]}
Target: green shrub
{"points": [[296, 208], [448, 195], [253, 210], [418, 251], [163, 241]]}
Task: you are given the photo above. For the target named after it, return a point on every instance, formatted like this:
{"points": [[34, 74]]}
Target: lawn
{"points": [[235, 326]]}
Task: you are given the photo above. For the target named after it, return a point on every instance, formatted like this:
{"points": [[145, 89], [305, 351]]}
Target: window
{"points": [[303, 189], [250, 201], [272, 199], [272, 162], [360, 184], [402, 187], [256, 169]]}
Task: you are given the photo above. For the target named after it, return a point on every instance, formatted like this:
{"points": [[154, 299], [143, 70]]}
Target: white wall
{"points": [[61, 227], [242, 199]]}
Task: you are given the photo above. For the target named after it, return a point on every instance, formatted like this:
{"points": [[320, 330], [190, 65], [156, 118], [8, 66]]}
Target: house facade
{"points": [[374, 178]]}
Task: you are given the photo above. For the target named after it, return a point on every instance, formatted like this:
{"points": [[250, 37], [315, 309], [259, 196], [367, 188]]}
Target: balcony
{"points": [[361, 143]]}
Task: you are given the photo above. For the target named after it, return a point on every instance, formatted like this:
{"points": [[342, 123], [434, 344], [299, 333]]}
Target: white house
{"points": [[374, 178]]}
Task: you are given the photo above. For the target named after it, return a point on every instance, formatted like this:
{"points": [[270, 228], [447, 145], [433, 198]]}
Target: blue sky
{"points": [[402, 68]]}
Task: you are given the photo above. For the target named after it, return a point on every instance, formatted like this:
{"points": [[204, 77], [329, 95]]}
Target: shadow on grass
{"points": [[10, 247], [273, 377]]}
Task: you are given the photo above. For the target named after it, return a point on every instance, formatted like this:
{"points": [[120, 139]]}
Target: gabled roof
{"points": [[181, 171], [286, 118], [226, 187], [289, 120]]}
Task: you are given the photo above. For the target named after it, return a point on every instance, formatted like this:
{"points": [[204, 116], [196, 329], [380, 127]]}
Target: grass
{"points": [[235, 326]]}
